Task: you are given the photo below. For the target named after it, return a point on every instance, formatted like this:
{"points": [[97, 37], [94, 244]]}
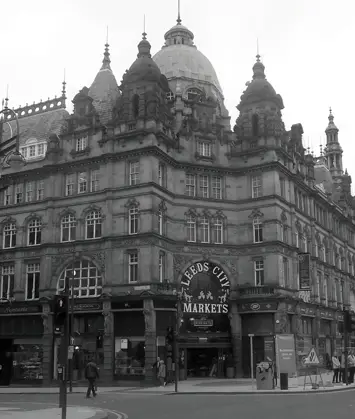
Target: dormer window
{"points": [[81, 144], [193, 94], [34, 149]]}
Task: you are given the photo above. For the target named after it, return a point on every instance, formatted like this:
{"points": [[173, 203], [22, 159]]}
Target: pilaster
{"points": [[107, 373], [150, 340], [47, 363], [236, 333]]}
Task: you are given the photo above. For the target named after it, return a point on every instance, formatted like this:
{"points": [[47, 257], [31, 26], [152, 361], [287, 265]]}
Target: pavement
{"points": [[201, 386], [22, 411]]}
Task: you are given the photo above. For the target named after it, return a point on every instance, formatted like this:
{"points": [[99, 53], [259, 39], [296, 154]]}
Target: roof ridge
{"points": [[38, 108]]}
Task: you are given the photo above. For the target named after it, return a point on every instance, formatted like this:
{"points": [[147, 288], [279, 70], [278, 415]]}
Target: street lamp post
{"points": [[71, 366]]}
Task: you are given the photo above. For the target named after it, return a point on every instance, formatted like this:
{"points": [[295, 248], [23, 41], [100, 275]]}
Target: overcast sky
{"points": [[306, 46]]}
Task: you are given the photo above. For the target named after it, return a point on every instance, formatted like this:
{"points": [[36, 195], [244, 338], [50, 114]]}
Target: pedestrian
{"points": [[342, 368], [162, 373], [91, 374], [156, 366], [336, 368], [351, 364]]}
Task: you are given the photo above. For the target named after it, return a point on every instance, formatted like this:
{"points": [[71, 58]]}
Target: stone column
{"points": [[236, 332], [47, 318], [150, 340], [107, 374]]}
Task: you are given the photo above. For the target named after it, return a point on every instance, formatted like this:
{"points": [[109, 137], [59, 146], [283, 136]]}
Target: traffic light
{"points": [[60, 310], [349, 321], [169, 339], [99, 341]]}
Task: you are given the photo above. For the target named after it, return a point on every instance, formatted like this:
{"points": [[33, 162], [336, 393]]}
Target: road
{"points": [[340, 405]]}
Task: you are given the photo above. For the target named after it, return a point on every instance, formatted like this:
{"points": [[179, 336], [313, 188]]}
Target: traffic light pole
{"points": [[64, 360], [346, 345], [176, 343], [71, 361]]}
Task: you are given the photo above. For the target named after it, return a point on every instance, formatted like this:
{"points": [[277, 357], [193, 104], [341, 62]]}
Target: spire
{"points": [[64, 84], [331, 125], [106, 61], [258, 67], [144, 46], [178, 20]]}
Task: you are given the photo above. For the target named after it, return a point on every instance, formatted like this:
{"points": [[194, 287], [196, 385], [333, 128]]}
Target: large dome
{"points": [[179, 57]]}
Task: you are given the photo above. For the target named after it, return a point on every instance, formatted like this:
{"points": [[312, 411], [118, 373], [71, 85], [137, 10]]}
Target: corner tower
{"points": [[333, 150]]}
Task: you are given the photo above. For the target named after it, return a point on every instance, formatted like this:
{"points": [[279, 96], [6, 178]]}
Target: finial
{"points": [[106, 61], [7, 97], [308, 150], [178, 20], [330, 111], [321, 149], [64, 84], [257, 50], [144, 34]]}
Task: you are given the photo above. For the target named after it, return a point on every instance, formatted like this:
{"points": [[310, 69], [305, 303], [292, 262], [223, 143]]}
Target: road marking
{"points": [[119, 415]]}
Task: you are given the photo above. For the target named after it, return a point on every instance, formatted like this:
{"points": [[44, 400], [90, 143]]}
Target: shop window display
{"points": [[28, 362], [129, 357]]}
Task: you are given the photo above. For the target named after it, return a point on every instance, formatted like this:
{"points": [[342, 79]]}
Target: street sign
{"points": [[312, 358], [72, 340], [251, 335]]}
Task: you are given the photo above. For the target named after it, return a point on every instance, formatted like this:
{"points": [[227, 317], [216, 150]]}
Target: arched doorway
{"points": [[205, 337], [87, 322]]}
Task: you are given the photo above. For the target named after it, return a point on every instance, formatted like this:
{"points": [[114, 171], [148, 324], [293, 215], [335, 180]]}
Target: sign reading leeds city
{"points": [[205, 288]]}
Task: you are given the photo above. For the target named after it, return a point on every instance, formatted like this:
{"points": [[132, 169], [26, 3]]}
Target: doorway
{"points": [[201, 362], [5, 361]]}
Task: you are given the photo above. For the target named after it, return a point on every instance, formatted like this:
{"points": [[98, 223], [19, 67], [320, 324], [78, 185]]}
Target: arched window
{"points": [[193, 93], [87, 279], [133, 219], [93, 224], [255, 124], [68, 228], [34, 149], [135, 106], [9, 235], [34, 232]]}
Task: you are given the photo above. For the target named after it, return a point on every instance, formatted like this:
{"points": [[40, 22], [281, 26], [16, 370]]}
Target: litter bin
{"points": [[284, 381], [264, 376]]}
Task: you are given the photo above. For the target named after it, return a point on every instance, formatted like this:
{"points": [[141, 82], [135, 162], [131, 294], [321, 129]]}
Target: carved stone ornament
{"points": [[100, 259], [180, 261]]}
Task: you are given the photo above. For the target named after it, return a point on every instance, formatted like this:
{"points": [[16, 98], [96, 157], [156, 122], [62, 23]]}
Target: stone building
{"points": [[147, 199]]}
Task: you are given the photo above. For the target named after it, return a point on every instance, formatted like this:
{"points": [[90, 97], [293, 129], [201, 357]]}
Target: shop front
{"points": [[88, 328], [21, 343], [204, 335]]}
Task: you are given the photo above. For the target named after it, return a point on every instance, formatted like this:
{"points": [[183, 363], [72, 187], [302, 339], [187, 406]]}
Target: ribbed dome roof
{"points": [[104, 89], [259, 88], [179, 57]]}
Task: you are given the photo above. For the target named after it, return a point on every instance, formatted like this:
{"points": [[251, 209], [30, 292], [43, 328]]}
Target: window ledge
{"points": [[80, 153], [201, 157]]}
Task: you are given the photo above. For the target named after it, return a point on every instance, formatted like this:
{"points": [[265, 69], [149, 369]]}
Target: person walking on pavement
{"points": [[162, 373], [342, 368], [91, 374], [351, 363], [336, 368]]}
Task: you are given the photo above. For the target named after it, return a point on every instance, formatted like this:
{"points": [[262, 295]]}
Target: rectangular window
{"points": [[161, 266], [259, 272], [29, 191], [218, 230], [7, 196], [204, 149], [325, 289], [161, 222], [32, 151], [82, 182], [133, 267], [133, 216], [283, 187], [191, 229], [40, 149], [40, 190], [94, 180], [317, 287], [257, 230], [190, 185], [216, 187], [33, 279], [286, 273], [9, 235], [161, 174], [205, 230], [204, 186], [256, 186], [69, 184], [34, 232], [81, 144], [297, 237], [18, 194], [7, 282], [134, 169]]}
